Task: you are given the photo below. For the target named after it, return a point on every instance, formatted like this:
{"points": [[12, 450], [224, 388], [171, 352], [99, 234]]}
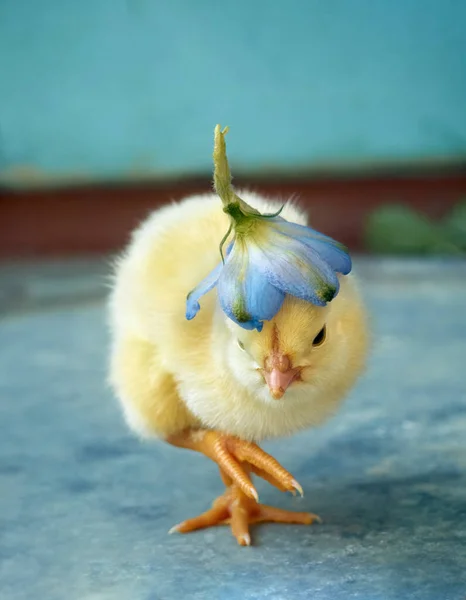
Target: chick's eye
{"points": [[320, 337], [241, 345]]}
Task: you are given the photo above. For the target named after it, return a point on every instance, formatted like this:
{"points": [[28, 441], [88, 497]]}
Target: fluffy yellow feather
{"points": [[170, 373]]}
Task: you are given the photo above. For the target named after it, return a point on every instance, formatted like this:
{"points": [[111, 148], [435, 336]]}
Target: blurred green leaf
{"points": [[455, 225], [398, 229]]}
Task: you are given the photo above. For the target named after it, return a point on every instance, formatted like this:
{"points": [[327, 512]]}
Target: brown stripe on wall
{"points": [[98, 219]]}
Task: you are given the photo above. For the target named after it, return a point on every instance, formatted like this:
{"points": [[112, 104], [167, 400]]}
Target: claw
{"points": [[174, 529], [297, 487], [244, 540]]}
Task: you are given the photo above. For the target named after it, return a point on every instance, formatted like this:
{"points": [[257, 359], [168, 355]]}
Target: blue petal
{"points": [[192, 301], [295, 268], [329, 249], [244, 292]]}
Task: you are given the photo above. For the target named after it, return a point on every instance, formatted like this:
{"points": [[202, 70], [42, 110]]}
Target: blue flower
{"points": [[274, 258], [268, 258]]}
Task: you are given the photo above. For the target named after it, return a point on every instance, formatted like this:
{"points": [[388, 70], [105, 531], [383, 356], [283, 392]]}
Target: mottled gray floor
{"points": [[85, 508]]}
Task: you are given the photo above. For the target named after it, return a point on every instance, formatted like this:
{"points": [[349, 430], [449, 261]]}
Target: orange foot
{"points": [[239, 505], [239, 511]]}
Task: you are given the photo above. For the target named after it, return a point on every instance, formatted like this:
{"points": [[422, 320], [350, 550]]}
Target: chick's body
{"points": [[171, 374]]}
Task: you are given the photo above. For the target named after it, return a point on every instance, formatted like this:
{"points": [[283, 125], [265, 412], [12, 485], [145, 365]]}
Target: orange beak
{"points": [[279, 374]]}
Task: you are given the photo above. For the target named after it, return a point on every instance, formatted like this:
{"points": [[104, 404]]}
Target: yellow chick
{"points": [[209, 384]]}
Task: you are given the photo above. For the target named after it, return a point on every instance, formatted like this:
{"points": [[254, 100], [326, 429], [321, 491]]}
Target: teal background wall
{"points": [[105, 89]]}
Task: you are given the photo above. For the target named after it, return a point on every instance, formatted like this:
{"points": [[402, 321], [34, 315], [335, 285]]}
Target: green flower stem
{"points": [[222, 178]]}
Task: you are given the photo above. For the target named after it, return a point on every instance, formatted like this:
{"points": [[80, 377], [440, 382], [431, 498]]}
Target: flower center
{"points": [[243, 223]]}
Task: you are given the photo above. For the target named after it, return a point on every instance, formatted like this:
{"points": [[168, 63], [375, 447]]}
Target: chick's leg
{"points": [[230, 452], [239, 505], [238, 510]]}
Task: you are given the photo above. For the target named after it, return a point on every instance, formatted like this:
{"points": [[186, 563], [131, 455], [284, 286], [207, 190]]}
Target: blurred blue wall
{"points": [[112, 88]]}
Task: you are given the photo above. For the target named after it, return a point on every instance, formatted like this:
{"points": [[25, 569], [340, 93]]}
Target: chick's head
{"points": [[305, 347]]}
